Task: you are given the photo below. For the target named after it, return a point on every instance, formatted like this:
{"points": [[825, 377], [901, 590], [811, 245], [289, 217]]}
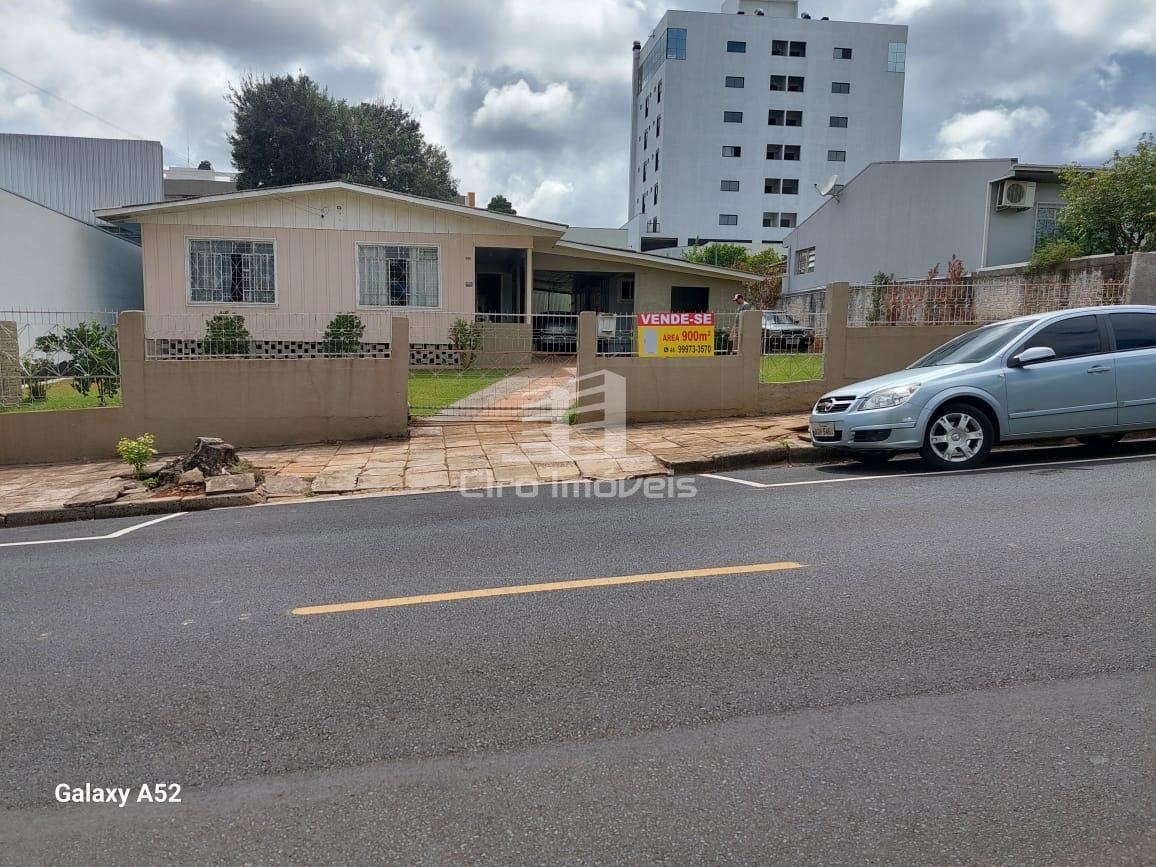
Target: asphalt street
{"points": [[915, 668]]}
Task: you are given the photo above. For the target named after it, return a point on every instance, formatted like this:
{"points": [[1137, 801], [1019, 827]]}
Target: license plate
{"points": [[823, 429]]}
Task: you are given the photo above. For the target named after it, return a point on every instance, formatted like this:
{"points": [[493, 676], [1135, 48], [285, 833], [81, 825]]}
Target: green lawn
{"points": [[790, 367], [430, 391], [61, 395]]}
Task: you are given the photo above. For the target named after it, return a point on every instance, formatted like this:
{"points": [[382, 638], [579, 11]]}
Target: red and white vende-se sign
{"points": [[703, 318]]}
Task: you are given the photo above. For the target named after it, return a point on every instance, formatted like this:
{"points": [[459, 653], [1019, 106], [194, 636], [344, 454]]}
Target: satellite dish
{"points": [[829, 185]]}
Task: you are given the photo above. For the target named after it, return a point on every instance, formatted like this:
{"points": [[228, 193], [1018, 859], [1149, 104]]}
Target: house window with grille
{"points": [[224, 271], [1047, 221], [390, 275], [805, 260]]}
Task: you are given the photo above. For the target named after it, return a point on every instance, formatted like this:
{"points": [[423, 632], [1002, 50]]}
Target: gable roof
{"points": [[129, 212]]}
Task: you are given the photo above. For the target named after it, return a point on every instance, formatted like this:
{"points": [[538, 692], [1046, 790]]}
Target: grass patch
{"points": [[60, 395], [431, 391], [790, 367]]}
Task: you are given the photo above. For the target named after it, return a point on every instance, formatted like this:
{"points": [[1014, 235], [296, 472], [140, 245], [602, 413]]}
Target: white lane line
{"points": [[847, 479], [114, 535], [732, 479]]}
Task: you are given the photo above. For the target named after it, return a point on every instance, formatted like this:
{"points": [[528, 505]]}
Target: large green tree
{"points": [[289, 130], [1113, 209]]}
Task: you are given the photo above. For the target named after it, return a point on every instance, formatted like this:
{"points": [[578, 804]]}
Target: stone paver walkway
{"points": [[544, 390], [450, 455]]}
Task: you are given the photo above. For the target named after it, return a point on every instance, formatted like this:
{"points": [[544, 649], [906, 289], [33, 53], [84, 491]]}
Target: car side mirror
{"points": [[1034, 355]]}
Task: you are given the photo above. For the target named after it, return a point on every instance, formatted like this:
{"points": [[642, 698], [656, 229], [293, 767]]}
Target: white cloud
{"points": [[549, 201], [974, 134], [1116, 129], [1128, 25], [518, 105]]}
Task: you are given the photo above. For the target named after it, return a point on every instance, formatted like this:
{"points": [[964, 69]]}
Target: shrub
{"points": [[343, 335], [91, 347], [879, 282], [466, 338], [35, 371], [1052, 255], [226, 334], [137, 452]]}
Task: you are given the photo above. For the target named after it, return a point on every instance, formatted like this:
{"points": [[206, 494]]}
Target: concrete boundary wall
{"points": [[660, 389], [248, 402]]}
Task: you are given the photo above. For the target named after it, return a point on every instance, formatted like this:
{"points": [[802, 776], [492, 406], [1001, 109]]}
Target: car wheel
{"points": [[1100, 441], [872, 459], [958, 437]]}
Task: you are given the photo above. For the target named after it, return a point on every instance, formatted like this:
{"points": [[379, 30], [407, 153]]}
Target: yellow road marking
{"points": [[516, 589]]}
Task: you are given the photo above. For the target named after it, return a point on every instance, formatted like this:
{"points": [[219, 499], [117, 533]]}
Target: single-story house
{"points": [[309, 251]]}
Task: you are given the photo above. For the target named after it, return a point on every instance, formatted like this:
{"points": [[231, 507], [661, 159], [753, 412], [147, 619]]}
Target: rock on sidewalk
{"points": [[237, 484], [101, 492], [191, 477], [286, 486]]}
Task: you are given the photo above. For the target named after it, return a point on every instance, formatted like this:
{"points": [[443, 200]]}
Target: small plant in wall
{"points": [[343, 335], [137, 452], [956, 269], [226, 334], [466, 339]]}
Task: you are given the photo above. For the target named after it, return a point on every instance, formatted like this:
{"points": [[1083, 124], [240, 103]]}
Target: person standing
{"points": [[741, 304]]}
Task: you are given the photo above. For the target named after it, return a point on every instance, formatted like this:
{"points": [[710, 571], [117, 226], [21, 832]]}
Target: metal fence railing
{"points": [[793, 344], [58, 360], [975, 302]]}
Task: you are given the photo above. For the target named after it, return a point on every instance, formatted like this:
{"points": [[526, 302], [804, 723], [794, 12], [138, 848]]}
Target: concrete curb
{"points": [[132, 509], [785, 452]]}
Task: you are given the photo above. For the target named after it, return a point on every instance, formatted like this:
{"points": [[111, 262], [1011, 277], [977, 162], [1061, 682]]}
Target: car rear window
{"points": [[1133, 330]]}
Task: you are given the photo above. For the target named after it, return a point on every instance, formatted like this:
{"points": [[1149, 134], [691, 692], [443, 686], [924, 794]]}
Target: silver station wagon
{"points": [[1088, 373]]}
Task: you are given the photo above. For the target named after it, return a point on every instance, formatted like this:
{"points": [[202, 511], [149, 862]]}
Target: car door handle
{"points": [[1099, 368]]}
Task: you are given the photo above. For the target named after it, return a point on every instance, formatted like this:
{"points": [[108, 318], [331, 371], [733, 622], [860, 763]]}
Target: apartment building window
{"points": [[840, 87], [790, 186], [729, 187], [771, 186], [792, 152], [732, 117], [728, 219], [735, 81], [223, 271], [842, 53], [734, 47], [805, 260], [779, 47], [838, 122], [397, 276], [646, 111], [896, 57], [797, 49], [658, 126], [645, 165], [732, 151], [776, 117], [778, 82], [770, 219], [656, 153], [656, 194], [774, 152], [795, 83], [676, 43], [794, 118], [660, 93], [787, 220], [645, 139], [836, 156]]}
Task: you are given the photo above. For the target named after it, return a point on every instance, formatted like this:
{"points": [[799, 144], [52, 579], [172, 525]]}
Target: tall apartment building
{"points": [[741, 116]]}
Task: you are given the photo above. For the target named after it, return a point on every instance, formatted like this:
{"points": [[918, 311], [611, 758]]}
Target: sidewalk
{"points": [[437, 456]]}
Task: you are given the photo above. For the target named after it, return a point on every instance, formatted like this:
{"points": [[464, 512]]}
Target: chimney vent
{"points": [[471, 200]]}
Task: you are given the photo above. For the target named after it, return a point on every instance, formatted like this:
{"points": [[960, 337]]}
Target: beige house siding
{"points": [[316, 273]]}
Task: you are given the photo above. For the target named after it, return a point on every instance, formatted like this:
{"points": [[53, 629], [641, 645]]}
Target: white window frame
{"points": [[804, 260], [357, 275], [259, 305]]}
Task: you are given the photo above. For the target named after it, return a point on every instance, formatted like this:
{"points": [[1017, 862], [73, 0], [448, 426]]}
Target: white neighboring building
{"points": [[55, 254], [740, 115]]}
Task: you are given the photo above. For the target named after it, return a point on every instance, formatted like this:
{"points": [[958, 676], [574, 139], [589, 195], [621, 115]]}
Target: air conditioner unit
{"points": [[1016, 195]]}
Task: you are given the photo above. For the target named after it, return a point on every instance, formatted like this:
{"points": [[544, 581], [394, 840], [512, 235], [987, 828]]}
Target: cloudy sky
{"points": [[531, 97]]}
